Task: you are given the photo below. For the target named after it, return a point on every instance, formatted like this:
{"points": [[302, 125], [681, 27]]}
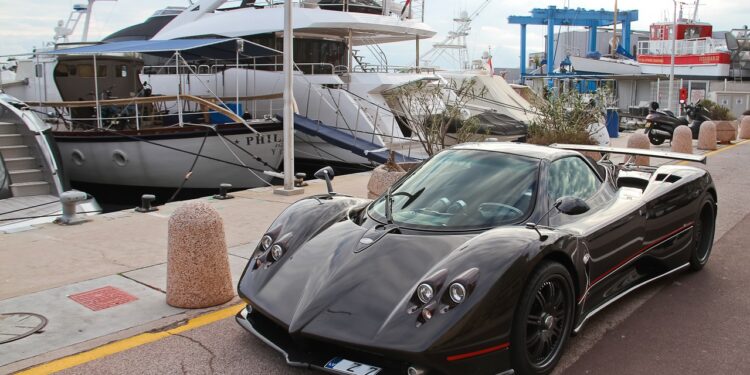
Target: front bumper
{"points": [[315, 353]]}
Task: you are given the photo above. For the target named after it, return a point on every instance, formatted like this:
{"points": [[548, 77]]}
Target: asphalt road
{"points": [[689, 323]]}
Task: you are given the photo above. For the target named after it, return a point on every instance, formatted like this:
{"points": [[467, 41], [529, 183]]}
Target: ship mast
{"points": [[455, 41], [614, 35]]}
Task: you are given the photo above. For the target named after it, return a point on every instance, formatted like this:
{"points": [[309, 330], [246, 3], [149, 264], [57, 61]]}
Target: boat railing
{"points": [[139, 113], [393, 69], [311, 68], [383, 7], [698, 46]]}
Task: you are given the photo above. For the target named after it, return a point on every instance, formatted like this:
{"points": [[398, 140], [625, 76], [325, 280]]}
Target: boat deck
{"points": [[19, 209]]}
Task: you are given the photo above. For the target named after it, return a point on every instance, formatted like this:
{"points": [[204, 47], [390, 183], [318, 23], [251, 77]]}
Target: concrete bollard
{"points": [[640, 140], [146, 201], [745, 127], [707, 136], [682, 140], [725, 132], [198, 272], [69, 200], [223, 188]]}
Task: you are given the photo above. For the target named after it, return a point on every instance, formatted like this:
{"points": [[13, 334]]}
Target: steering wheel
{"points": [[489, 210]]}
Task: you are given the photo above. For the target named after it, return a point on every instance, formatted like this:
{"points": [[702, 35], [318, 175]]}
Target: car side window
{"points": [[571, 176]]}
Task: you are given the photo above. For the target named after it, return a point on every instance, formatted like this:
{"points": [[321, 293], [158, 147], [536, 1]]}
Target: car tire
{"points": [[703, 234], [543, 320]]}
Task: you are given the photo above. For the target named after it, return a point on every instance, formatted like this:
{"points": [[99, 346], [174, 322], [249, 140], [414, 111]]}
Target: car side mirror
{"points": [[571, 205], [326, 173]]}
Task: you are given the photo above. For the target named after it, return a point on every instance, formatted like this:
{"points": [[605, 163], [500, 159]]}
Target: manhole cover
{"points": [[102, 298], [14, 326]]}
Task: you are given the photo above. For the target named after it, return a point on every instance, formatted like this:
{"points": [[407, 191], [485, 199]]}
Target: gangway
{"points": [[347, 140]]}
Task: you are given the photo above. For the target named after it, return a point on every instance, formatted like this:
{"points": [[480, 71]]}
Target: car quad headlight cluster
{"points": [[428, 298], [269, 252]]}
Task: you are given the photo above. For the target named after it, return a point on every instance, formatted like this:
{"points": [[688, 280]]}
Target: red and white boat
{"points": [[697, 53]]}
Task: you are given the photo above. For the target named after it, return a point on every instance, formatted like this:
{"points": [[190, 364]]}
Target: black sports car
{"points": [[481, 261]]}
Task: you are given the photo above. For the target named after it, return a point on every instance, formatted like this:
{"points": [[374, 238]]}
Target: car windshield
{"points": [[463, 190]]}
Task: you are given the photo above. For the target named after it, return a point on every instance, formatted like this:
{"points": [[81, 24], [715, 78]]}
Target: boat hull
{"points": [[706, 65], [162, 158]]}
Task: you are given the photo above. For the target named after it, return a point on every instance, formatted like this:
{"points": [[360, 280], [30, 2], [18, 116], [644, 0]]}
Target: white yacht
{"points": [[347, 115]]}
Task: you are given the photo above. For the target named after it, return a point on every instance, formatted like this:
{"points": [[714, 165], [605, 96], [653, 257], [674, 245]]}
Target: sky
{"points": [[30, 23]]}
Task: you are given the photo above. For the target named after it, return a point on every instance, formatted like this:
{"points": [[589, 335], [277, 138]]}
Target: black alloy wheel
{"points": [[543, 320], [703, 234]]}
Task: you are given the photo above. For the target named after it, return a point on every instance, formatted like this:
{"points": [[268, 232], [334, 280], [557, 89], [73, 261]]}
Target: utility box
{"points": [[613, 122]]}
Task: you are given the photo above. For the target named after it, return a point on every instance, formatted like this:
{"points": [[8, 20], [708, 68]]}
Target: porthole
{"points": [[78, 158], [120, 158]]}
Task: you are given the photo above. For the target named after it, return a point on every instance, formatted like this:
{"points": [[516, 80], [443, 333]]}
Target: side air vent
{"points": [[667, 178]]}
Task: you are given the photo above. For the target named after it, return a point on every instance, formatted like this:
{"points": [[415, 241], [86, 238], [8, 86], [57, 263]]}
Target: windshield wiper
{"points": [[388, 206], [411, 197]]}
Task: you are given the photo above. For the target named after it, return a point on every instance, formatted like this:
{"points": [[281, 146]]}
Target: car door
{"points": [[611, 232]]}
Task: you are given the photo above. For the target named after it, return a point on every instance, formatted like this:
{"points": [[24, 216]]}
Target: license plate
{"points": [[346, 366]]}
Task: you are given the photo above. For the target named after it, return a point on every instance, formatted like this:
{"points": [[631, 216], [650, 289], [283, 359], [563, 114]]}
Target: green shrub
{"points": [[565, 118], [717, 111]]}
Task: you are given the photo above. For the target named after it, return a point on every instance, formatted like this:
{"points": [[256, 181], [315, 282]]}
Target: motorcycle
{"points": [[660, 125]]}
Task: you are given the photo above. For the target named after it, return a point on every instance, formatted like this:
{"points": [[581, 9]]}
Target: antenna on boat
{"points": [[86, 21], [695, 11]]}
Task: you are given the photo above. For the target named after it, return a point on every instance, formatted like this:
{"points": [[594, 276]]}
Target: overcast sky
{"points": [[29, 23]]}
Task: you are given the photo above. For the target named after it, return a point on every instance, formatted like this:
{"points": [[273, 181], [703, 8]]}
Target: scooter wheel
{"points": [[655, 140]]}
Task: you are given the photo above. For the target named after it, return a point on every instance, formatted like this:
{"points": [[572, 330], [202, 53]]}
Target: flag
{"points": [[406, 4], [489, 62]]}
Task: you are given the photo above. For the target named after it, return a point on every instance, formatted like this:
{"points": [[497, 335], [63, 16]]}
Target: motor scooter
{"points": [[660, 125]]}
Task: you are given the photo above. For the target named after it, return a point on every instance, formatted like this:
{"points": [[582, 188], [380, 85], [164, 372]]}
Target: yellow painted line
{"points": [[131, 342]]}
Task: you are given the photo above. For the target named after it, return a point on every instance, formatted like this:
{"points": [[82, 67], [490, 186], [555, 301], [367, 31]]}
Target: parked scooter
{"points": [[660, 125]]}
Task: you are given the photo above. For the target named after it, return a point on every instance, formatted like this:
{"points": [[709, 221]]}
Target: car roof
{"points": [[521, 149]]}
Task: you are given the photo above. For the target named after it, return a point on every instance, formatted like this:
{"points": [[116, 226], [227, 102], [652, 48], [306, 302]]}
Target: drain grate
{"points": [[103, 298], [15, 326]]}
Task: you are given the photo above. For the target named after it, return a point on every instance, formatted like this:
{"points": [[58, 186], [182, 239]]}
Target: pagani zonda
{"points": [[481, 261]]}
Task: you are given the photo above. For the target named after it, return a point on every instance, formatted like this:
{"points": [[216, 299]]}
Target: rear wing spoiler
{"points": [[633, 152]]}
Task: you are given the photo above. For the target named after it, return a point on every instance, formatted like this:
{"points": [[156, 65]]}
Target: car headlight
{"points": [[425, 292], [276, 252], [457, 293], [266, 242]]}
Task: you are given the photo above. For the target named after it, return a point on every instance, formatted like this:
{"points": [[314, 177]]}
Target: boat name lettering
{"points": [[260, 139]]}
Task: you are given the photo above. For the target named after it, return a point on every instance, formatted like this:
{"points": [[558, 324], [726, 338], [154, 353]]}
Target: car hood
{"points": [[332, 287]]}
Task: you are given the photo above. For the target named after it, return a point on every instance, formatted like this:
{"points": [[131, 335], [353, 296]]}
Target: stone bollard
{"points": [[707, 136], [640, 140], [682, 140], [745, 127], [381, 180], [725, 132], [198, 272]]}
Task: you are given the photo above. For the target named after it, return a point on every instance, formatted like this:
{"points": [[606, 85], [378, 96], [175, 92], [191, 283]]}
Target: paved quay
{"points": [[41, 268], [684, 324]]}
